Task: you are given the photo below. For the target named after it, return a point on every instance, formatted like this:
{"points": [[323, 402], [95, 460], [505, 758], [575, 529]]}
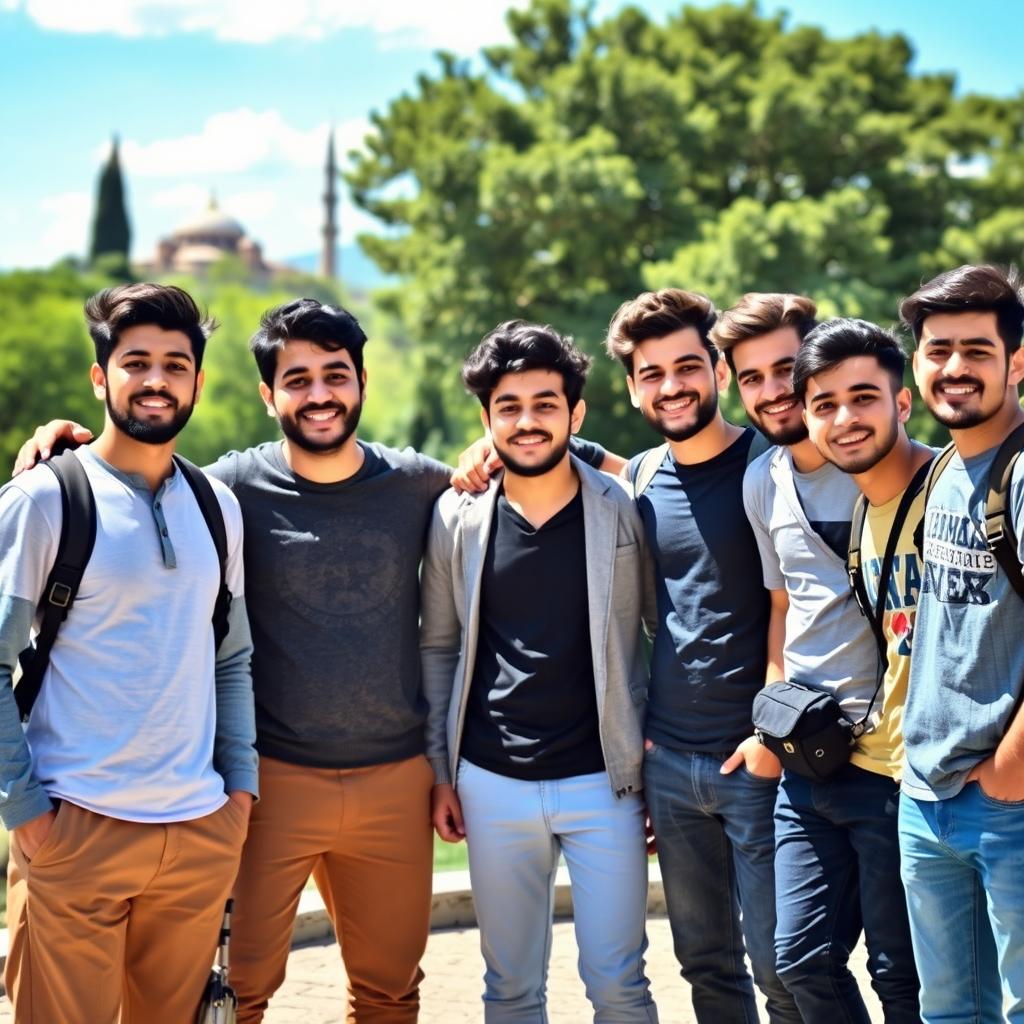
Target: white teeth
{"points": [[529, 440], [154, 403], [861, 435], [779, 408], [964, 389], [320, 417], [676, 404]]}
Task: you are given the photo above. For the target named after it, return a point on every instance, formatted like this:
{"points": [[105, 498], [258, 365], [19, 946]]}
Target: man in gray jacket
{"points": [[534, 671]]}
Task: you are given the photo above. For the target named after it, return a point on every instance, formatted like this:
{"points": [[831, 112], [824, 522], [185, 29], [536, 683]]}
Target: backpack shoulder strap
{"points": [[860, 511], [938, 464], [647, 467], [77, 537], [759, 444], [999, 533], [209, 506]]}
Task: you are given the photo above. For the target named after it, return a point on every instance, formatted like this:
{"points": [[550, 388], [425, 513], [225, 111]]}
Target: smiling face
{"points": [[150, 383], [674, 384], [854, 413], [530, 422], [317, 396], [764, 376], [962, 370]]}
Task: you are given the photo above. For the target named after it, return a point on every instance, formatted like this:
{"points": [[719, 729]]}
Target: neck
{"points": [[975, 440], [538, 498], [150, 461], [325, 467], [806, 457], [892, 475], [706, 444]]}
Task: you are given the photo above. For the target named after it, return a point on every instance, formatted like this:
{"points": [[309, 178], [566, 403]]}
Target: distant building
{"points": [[329, 253]]}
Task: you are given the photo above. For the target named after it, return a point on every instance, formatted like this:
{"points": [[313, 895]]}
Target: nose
{"points": [[155, 379], [669, 384], [844, 414], [776, 387], [955, 364], [319, 391]]}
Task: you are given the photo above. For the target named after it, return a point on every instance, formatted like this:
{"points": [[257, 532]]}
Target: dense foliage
{"points": [[720, 150]]}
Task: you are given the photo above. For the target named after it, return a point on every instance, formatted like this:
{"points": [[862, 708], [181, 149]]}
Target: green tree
{"points": [[111, 232], [721, 150]]}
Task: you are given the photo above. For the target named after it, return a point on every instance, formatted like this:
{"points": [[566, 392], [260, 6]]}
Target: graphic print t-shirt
{"points": [[968, 664], [881, 749]]}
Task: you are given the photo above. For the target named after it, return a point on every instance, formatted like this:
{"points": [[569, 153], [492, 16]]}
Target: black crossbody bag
{"points": [[804, 727]]}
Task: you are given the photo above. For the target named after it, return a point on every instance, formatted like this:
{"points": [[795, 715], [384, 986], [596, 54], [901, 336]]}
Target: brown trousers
{"points": [[117, 920], [364, 834]]}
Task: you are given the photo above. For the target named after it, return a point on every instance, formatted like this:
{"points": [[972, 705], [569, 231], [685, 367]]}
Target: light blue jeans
{"points": [[515, 831], [963, 868]]}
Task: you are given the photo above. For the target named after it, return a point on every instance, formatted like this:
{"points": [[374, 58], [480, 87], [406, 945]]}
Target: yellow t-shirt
{"points": [[881, 749]]}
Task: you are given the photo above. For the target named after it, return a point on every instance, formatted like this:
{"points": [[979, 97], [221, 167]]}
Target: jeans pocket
{"points": [[1002, 805], [764, 780]]}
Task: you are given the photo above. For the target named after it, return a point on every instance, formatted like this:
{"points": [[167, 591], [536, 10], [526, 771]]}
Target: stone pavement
{"points": [[314, 991]]}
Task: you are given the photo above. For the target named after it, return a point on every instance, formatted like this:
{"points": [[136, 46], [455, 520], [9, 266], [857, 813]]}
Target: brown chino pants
{"points": [[364, 834], [117, 918]]}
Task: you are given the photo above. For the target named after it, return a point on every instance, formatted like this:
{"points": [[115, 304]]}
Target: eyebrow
{"points": [[517, 398], [148, 355], [823, 396], [777, 365], [689, 358], [337, 364], [986, 342]]}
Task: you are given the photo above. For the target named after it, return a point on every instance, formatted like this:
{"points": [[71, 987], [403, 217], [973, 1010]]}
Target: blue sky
{"points": [[235, 96]]}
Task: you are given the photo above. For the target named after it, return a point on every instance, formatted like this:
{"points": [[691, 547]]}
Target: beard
{"points": [[960, 417], [144, 430], [517, 468], [861, 463], [707, 409], [784, 436], [292, 428]]}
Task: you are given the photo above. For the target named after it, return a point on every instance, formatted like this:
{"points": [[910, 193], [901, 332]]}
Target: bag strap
{"points": [[77, 537], [876, 615], [209, 506], [999, 533], [648, 465]]}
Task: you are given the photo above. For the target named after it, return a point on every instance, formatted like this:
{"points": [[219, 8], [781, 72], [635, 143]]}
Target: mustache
{"points": [[531, 433], [151, 393], [965, 379], [790, 397], [695, 395], [322, 407]]}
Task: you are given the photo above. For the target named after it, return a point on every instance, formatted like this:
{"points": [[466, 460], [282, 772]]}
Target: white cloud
{"points": [[55, 226], [238, 140], [460, 25]]}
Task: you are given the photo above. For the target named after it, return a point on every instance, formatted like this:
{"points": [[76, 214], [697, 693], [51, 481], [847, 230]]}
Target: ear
{"points": [[268, 399], [576, 419], [1015, 373], [722, 374], [200, 381], [634, 398], [904, 403], [99, 381]]}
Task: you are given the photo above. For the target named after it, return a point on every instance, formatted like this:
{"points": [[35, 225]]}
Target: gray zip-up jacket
{"points": [[620, 594]]}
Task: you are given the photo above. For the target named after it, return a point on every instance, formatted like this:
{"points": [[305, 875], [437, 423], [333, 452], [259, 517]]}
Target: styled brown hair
{"points": [[970, 289], [656, 314], [760, 313], [113, 310]]}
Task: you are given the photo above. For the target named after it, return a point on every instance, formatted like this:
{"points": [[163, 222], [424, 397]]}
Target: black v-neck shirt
{"points": [[532, 710]]}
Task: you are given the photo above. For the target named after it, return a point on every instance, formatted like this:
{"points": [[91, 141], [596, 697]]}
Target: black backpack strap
{"points": [[77, 537], [876, 615], [999, 532], [647, 467], [214, 516]]}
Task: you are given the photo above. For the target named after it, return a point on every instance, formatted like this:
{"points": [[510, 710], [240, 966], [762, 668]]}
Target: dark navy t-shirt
{"points": [[710, 645]]}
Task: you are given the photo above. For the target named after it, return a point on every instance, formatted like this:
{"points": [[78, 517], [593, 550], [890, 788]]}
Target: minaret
{"points": [[329, 253]]}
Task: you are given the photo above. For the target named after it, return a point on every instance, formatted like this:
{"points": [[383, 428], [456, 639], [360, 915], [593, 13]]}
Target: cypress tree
{"points": [[111, 233]]}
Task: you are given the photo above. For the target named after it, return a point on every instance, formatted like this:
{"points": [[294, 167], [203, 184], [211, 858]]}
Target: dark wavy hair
{"points": [[657, 314], [328, 327], [516, 346], [835, 341]]}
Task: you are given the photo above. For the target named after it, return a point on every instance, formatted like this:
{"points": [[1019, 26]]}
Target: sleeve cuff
{"points": [[247, 781], [442, 776], [29, 807]]}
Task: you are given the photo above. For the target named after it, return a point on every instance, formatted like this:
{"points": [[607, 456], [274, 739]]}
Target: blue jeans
{"points": [[515, 831], [963, 866], [837, 870], [716, 846]]}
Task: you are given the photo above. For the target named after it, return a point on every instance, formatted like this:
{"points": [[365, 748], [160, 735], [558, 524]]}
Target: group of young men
{"points": [[475, 658]]}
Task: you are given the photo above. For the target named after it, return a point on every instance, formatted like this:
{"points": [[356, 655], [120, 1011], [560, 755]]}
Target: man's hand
{"points": [[999, 782], [446, 814], [33, 833], [477, 464], [243, 798], [758, 759], [42, 442]]}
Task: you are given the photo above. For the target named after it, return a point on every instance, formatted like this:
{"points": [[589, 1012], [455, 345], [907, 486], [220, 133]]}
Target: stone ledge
{"points": [[452, 906]]}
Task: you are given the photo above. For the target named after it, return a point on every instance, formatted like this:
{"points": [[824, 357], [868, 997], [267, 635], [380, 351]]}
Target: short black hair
{"points": [[113, 310], [517, 346], [835, 341], [328, 327], [970, 289]]}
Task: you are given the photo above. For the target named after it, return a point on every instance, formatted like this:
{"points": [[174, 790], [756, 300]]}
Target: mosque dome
{"points": [[212, 227]]}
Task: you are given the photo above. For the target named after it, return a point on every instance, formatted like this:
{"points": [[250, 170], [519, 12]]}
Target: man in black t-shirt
{"points": [[534, 671]]}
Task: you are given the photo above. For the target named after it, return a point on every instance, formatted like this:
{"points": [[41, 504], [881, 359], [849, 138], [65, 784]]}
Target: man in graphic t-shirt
{"points": [[962, 806]]}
